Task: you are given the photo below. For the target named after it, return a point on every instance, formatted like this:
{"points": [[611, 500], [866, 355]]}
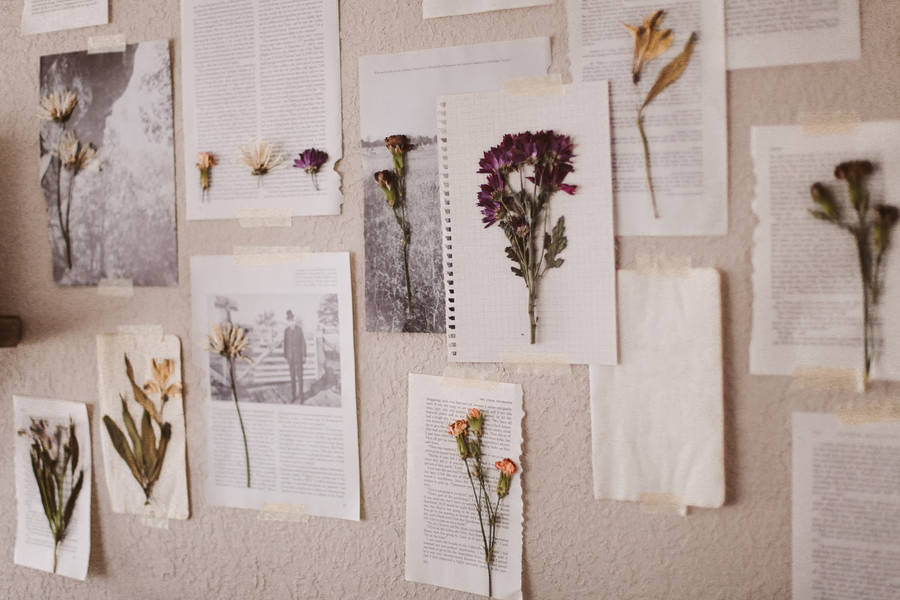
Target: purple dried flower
{"points": [[311, 160]]}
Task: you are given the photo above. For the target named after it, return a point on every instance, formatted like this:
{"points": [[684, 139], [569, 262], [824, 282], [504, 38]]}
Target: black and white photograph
{"points": [[108, 165], [386, 300], [293, 353]]}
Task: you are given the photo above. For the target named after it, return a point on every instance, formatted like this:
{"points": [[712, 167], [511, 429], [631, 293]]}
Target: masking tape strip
{"points": [[462, 378], [103, 44], [269, 255], [662, 265], [154, 522], [545, 364], [293, 513], [662, 504], [549, 85], [264, 217], [806, 378], [873, 413], [829, 123], [119, 288], [156, 330]]}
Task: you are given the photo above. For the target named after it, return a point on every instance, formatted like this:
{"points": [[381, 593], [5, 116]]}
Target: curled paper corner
{"points": [[540, 85], [662, 265], [468, 378], [106, 44], [830, 379], [542, 364], [292, 513], [659, 503], [156, 330], [117, 288], [870, 413], [269, 255], [264, 217], [829, 123]]}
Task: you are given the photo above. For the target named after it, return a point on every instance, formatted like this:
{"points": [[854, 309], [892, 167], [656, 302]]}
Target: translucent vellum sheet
{"points": [[291, 389], [487, 317], [34, 542], [156, 365], [396, 96], [443, 541], [769, 33], [845, 508], [807, 292], [657, 417], [686, 124]]}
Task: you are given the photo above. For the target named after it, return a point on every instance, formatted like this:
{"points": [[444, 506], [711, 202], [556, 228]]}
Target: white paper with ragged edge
{"points": [[34, 542], [807, 305], [169, 496], [488, 306], [443, 538], [447, 8], [303, 454], [657, 417], [845, 509], [686, 125], [270, 74], [42, 16], [769, 33]]}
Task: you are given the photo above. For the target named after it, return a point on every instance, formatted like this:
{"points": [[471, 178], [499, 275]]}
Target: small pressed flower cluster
{"points": [[519, 209], [260, 157], [469, 448]]}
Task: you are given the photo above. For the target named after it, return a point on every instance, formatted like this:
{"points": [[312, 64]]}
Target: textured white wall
{"points": [[575, 546]]}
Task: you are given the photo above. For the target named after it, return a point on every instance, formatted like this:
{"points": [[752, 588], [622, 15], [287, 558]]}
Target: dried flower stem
{"points": [[237, 407], [640, 124]]}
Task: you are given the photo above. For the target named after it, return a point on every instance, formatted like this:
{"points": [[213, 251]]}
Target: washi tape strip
{"points": [[119, 288], [293, 513], [264, 217], [104, 44], [542, 85]]}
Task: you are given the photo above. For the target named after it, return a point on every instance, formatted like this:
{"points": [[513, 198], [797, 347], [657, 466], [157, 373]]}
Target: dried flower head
{"points": [[162, 370], [387, 181], [886, 217], [205, 160], [475, 420], [74, 155], [260, 158], [828, 209], [397, 144], [854, 171], [58, 106], [507, 469], [649, 42], [311, 160], [458, 428], [228, 340]]}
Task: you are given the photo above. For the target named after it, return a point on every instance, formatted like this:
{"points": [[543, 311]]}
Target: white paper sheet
{"points": [[302, 440], [768, 33], [41, 16], [169, 494], [657, 417], [807, 309], [397, 93], [846, 509], [266, 72], [577, 302], [686, 125], [447, 8], [443, 538], [34, 542]]}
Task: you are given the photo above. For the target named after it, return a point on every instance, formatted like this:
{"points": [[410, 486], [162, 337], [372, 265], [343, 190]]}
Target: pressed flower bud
{"points": [[476, 421], [886, 217], [828, 208]]}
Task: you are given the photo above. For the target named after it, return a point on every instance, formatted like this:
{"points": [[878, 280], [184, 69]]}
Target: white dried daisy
{"points": [[260, 158], [58, 106], [228, 340], [74, 155]]}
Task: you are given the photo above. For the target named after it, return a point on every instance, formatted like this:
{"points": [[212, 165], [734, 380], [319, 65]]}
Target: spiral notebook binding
{"points": [[447, 229]]}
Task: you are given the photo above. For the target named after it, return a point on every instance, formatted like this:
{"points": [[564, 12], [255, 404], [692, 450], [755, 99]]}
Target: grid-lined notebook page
{"points": [[487, 306]]}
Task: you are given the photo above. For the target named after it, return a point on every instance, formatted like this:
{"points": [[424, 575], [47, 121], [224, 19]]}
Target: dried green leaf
{"points": [[148, 443], [121, 445], [671, 72], [73, 447], [164, 437], [35, 467], [139, 394], [554, 243], [131, 428], [73, 497]]}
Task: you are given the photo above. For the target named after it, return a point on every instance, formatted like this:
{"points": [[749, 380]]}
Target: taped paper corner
{"points": [[118, 288], [542, 364], [292, 513], [662, 504], [264, 217], [464, 378], [821, 378], [541, 85], [872, 413], [829, 123], [106, 44], [651, 265], [269, 255]]}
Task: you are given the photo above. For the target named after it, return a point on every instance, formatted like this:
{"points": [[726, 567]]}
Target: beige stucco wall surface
{"points": [[575, 546]]}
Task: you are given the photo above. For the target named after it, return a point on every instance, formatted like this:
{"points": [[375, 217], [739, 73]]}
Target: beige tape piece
{"points": [[140, 330], [119, 288], [269, 255], [544, 364], [831, 379], [662, 504], [654, 265], [154, 522], [292, 513], [829, 123], [544, 85], [264, 217], [103, 44], [465, 378], [871, 413]]}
